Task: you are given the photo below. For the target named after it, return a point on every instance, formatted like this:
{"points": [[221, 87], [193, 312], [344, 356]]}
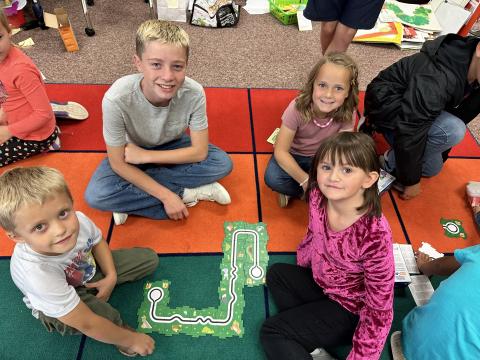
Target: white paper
{"points": [[409, 258], [303, 23], [401, 272], [421, 289], [257, 7], [384, 181], [428, 249], [451, 17]]}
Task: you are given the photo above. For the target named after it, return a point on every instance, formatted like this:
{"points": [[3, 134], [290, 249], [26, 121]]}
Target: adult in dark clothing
{"points": [[422, 103]]}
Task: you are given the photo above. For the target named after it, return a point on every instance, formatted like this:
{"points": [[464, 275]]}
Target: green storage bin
{"points": [[278, 8]]}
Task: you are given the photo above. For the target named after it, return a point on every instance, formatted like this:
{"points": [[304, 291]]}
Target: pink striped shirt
{"points": [[355, 268]]}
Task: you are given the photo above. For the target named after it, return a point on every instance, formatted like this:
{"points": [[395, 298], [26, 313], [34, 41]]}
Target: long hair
{"points": [[358, 150], [343, 114]]}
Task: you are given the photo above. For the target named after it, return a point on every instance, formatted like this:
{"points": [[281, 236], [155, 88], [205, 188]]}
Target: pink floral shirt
{"points": [[355, 268]]}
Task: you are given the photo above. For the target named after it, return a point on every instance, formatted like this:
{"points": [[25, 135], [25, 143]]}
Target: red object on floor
{"points": [[16, 20]]}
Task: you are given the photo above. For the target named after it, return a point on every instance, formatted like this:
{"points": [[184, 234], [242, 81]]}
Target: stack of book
{"points": [[408, 26]]}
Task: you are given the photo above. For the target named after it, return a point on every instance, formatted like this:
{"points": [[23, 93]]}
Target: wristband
{"points": [[303, 182]]}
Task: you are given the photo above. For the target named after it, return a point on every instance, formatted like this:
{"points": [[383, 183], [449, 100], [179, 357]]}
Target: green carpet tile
{"points": [[194, 282]]}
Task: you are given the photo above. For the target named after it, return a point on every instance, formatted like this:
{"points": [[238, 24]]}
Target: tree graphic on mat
{"points": [[420, 14]]}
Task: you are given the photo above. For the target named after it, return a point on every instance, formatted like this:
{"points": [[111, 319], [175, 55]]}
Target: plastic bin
{"points": [[285, 10]]}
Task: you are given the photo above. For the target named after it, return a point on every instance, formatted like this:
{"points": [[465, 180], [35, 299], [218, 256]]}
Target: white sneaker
{"points": [[119, 218], [210, 192], [396, 343], [321, 354]]}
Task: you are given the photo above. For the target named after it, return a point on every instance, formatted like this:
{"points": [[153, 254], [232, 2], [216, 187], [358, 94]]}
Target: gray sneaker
{"points": [[321, 354], [210, 192]]}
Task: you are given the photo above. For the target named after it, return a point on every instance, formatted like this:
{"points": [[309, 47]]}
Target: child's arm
{"points": [[376, 315], [31, 86], [285, 159], [103, 257], [5, 134], [444, 266], [92, 325], [197, 152], [174, 206]]}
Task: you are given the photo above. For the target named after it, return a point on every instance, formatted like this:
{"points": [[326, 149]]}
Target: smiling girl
{"points": [[324, 107]]}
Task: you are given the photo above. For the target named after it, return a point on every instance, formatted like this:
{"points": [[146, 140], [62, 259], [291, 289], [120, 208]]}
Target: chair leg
{"points": [[89, 29]]}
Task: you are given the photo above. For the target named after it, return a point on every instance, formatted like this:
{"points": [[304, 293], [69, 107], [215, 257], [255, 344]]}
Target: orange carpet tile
{"points": [[443, 196], [77, 169], [287, 227], [203, 230], [268, 106]]}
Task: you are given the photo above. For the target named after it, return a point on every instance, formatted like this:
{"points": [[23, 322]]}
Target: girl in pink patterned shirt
{"points": [[341, 291]]}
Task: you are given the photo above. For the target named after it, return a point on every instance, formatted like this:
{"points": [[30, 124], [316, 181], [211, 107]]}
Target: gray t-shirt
{"points": [[129, 117]]}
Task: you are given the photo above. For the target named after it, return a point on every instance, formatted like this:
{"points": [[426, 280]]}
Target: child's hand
{"points": [[104, 286], [142, 344], [422, 259], [3, 117], [410, 192], [174, 207], [135, 154], [5, 134]]}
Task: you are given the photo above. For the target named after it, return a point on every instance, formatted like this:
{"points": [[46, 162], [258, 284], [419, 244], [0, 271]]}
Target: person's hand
{"points": [[3, 117], [135, 154], [142, 344], [5, 134], [174, 207], [422, 259], [104, 286], [410, 192]]}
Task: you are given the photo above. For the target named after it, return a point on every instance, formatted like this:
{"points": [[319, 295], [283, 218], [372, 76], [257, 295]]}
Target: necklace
{"points": [[323, 125]]}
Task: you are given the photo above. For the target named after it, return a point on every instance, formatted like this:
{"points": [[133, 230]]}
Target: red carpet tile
{"points": [[287, 227], [443, 196], [227, 111], [85, 134], [77, 177], [268, 106], [229, 119], [203, 230], [468, 147]]}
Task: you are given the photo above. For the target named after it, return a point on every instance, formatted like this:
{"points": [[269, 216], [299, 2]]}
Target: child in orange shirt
{"points": [[27, 122]]}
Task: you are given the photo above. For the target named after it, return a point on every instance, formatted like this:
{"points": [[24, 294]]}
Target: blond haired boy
{"points": [[154, 169], [61, 263]]}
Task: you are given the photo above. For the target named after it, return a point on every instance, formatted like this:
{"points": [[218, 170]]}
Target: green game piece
{"points": [[453, 228], [244, 263]]}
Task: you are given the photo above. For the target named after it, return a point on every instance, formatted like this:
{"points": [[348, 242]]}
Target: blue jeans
{"points": [[278, 180], [110, 192], [446, 131]]}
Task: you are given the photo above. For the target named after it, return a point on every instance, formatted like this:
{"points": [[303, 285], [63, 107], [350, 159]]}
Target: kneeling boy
{"points": [[54, 263]]}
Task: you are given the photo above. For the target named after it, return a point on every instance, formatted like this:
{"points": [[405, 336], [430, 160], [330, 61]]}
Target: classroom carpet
{"points": [[240, 121]]}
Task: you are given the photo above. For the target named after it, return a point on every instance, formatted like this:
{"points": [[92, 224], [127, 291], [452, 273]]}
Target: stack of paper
{"points": [[405, 263]]}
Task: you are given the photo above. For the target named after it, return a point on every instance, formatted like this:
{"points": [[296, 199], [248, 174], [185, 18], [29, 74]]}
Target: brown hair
{"points": [[4, 22], [358, 150], [343, 114]]}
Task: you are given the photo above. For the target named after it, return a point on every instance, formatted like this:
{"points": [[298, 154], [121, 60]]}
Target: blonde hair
{"points": [[162, 31], [343, 114], [27, 185], [4, 22]]}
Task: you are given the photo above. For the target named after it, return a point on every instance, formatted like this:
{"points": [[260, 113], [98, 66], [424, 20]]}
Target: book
{"points": [[385, 180], [418, 16], [405, 263], [273, 138], [381, 33], [421, 289]]}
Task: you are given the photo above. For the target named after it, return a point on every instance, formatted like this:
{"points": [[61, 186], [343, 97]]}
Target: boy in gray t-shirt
{"points": [[154, 169]]}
